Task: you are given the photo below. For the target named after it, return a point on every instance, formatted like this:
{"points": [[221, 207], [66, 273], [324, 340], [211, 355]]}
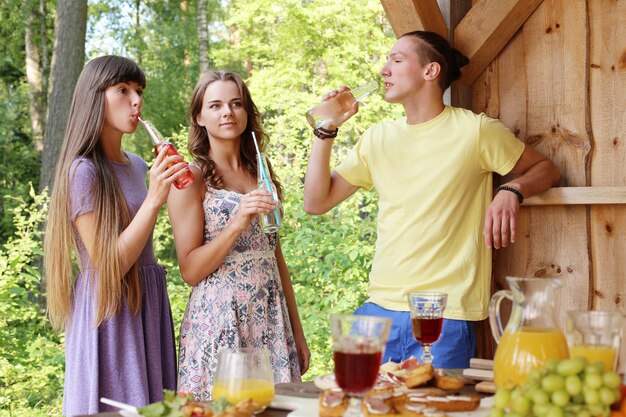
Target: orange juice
{"points": [[238, 390], [593, 353], [525, 349]]}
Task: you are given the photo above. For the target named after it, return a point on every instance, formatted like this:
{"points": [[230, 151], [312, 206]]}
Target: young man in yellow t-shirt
{"points": [[437, 221]]}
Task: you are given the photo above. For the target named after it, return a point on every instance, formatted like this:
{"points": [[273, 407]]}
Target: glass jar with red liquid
{"points": [[158, 142], [427, 319], [358, 344]]}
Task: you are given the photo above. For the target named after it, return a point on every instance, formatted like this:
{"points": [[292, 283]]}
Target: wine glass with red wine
{"points": [[427, 319], [358, 345]]}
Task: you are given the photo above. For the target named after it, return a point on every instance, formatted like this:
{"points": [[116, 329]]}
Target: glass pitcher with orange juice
{"points": [[531, 336]]}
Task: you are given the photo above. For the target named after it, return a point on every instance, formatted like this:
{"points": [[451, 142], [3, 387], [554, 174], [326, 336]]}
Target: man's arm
{"points": [[323, 190], [536, 173]]}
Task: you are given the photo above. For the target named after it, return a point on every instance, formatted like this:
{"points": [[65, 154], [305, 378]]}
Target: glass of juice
{"points": [[427, 319], [244, 373], [595, 335], [358, 344]]}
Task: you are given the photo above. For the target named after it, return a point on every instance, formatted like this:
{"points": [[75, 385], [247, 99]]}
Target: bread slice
{"points": [[418, 376], [449, 383], [333, 403], [442, 403]]}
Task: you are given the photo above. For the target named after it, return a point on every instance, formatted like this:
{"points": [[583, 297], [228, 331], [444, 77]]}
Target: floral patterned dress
{"points": [[241, 304]]}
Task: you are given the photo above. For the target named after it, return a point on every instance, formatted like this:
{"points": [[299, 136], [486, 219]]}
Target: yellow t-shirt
{"points": [[434, 181]]}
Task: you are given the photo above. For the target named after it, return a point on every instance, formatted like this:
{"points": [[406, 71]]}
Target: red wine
{"points": [[356, 373], [426, 330]]}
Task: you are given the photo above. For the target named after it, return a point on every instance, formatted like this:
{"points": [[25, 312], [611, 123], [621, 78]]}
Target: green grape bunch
{"points": [[562, 388]]}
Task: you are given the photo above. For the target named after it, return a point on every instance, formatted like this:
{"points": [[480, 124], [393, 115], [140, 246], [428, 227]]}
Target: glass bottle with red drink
{"points": [[158, 142]]}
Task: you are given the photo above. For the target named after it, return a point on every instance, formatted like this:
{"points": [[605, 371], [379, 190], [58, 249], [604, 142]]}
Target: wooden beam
{"points": [[578, 195], [486, 29], [409, 15]]}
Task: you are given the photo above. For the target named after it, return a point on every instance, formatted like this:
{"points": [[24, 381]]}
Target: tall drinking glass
{"points": [[427, 319], [244, 373], [358, 344], [595, 335]]}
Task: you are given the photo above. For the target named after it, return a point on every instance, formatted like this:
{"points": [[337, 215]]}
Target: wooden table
{"points": [[294, 389]]}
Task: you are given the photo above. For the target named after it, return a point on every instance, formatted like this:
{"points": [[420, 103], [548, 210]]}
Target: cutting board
{"points": [[481, 370]]}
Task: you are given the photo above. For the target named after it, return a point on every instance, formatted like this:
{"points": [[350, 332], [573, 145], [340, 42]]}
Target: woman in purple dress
{"points": [[116, 314]]}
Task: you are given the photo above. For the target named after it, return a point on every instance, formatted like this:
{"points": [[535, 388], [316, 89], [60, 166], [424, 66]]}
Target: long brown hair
{"points": [[199, 145], [82, 140]]}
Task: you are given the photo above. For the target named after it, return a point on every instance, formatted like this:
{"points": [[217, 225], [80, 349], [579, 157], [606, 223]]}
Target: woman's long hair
{"points": [[82, 140], [199, 144]]}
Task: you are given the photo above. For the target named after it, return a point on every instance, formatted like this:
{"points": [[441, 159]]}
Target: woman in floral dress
{"points": [[242, 294]]}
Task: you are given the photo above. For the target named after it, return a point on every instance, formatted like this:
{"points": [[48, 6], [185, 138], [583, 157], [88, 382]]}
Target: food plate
{"points": [[307, 407], [325, 381]]}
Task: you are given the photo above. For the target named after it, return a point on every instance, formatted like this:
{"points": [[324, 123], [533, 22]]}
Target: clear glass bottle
{"points": [[158, 142], [329, 110], [272, 221]]}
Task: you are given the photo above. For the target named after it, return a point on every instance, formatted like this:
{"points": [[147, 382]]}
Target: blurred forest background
{"points": [[290, 52]]}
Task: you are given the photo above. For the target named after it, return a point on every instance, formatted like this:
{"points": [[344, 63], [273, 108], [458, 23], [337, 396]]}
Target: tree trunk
{"points": [[203, 36], [67, 62], [34, 76]]}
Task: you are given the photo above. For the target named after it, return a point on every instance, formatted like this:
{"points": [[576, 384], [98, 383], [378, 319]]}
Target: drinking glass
{"points": [[595, 335], [330, 110], [427, 319], [244, 373], [358, 345]]}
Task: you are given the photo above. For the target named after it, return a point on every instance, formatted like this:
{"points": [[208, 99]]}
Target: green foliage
{"points": [[31, 354], [295, 52], [161, 37], [19, 162], [290, 52]]}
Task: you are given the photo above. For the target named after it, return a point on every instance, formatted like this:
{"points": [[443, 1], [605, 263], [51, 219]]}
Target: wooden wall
{"points": [[559, 82]]}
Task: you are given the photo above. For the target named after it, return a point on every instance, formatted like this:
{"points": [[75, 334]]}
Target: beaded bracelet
{"points": [[519, 195], [324, 134]]}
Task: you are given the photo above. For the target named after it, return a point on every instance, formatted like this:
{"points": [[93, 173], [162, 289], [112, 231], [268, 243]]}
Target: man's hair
{"points": [[432, 47]]}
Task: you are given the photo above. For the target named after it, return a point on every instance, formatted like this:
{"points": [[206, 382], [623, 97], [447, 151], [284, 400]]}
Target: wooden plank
{"points": [[486, 29], [530, 103], [409, 15], [607, 83], [453, 11], [477, 363], [555, 39], [579, 195], [485, 91]]}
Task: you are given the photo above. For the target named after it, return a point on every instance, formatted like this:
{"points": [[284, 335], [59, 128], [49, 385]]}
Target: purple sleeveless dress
{"points": [[128, 358]]}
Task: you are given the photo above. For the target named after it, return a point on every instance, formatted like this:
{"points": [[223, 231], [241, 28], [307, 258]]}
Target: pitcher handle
{"points": [[495, 321]]}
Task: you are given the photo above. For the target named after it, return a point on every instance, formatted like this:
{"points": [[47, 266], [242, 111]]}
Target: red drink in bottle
{"points": [[356, 372], [184, 180], [426, 330]]}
